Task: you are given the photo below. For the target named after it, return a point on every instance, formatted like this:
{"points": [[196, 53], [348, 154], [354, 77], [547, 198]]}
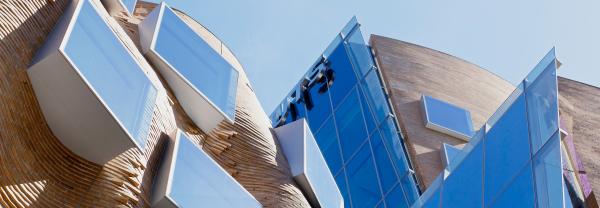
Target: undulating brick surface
{"points": [[36, 170]]}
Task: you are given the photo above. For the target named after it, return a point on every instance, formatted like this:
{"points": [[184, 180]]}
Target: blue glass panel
{"points": [[509, 133], [130, 5], [392, 140], [341, 182], [375, 94], [450, 152], [211, 185], [369, 120], [316, 171], [363, 179], [548, 174], [396, 198], [348, 28], [351, 125], [448, 116], [328, 143], [195, 60], [543, 107], [463, 187], [344, 78], [409, 186], [519, 192], [112, 72], [387, 174], [321, 106], [360, 51]]}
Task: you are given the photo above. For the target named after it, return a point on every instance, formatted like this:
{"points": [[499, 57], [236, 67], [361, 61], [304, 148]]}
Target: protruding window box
{"points": [[117, 6], [202, 80], [188, 177], [94, 96], [447, 118], [308, 165]]}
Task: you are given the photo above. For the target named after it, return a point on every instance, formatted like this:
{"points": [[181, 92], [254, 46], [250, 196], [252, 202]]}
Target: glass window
{"points": [[363, 179], [341, 182], [469, 171], [195, 60], [375, 94], [548, 174], [409, 186], [112, 72], [519, 192], [543, 107], [449, 152], [317, 172], [344, 78], [509, 133], [387, 174], [447, 118], [351, 125], [321, 106], [396, 198], [212, 186], [328, 143], [369, 120], [392, 140], [130, 5], [360, 51]]}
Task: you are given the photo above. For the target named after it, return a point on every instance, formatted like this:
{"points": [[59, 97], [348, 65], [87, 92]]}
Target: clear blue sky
{"points": [[277, 41]]}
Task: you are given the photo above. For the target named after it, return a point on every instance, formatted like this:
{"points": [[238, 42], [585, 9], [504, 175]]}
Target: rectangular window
{"points": [[447, 118]]}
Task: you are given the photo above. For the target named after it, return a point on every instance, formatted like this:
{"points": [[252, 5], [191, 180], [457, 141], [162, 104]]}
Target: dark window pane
{"points": [[344, 77], [396, 198], [463, 187], [351, 125], [542, 107], [327, 140], [341, 183], [519, 192], [548, 174], [363, 179], [509, 133], [387, 174], [321, 106]]}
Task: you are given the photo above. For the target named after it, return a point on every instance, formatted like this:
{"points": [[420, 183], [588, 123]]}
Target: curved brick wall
{"points": [[37, 171]]}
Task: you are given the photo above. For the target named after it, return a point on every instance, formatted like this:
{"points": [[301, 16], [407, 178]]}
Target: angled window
{"points": [[448, 153], [188, 177], [447, 118], [308, 165], [104, 103], [202, 80], [118, 6]]}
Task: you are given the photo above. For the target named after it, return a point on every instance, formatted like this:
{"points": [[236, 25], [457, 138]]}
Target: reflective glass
{"points": [[396, 198], [344, 78], [351, 125], [509, 133], [112, 72], [343, 187], [323, 184], [321, 106], [197, 62], [374, 93], [369, 120], [450, 152], [328, 143], [543, 107], [360, 51], [519, 192], [362, 179], [211, 185], [392, 140], [548, 174], [387, 174], [470, 171], [448, 116], [129, 4], [408, 184]]}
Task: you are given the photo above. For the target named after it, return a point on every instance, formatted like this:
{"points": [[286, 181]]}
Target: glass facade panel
{"points": [[455, 193], [392, 140], [320, 107], [360, 51], [197, 62], [113, 73], [362, 179], [396, 198], [519, 192], [447, 116], [387, 174], [542, 105], [211, 185], [343, 76], [328, 143], [376, 97], [510, 133], [130, 5], [340, 180], [351, 125], [548, 174]]}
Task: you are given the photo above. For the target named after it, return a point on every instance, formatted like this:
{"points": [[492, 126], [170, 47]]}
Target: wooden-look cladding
{"points": [[580, 110], [409, 71], [36, 170]]}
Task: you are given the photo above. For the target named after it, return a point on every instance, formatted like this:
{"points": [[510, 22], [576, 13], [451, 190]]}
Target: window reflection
{"points": [[363, 179], [351, 126]]}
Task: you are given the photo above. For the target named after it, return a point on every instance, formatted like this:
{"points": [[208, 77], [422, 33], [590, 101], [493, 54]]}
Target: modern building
{"points": [[126, 103]]}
